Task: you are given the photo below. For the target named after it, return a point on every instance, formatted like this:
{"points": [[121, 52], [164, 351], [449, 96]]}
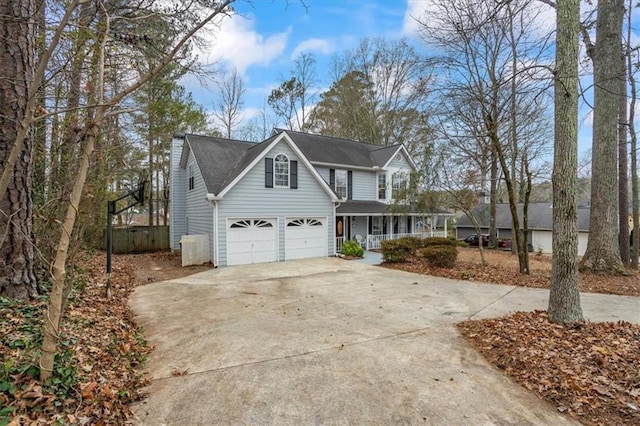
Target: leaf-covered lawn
{"points": [[589, 371], [99, 371]]}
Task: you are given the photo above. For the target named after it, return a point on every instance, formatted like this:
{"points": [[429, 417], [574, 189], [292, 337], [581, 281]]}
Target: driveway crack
{"points": [[493, 303], [317, 351]]}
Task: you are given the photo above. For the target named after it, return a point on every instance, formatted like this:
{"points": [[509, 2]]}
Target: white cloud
{"points": [[237, 44], [313, 44], [416, 9]]}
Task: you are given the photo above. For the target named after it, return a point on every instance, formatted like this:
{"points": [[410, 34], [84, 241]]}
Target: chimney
{"points": [[483, 198]]}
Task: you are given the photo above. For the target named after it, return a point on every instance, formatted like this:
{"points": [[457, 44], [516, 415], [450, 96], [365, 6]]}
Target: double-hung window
{"points": [[399, 185], [281, 171], [191, 178], [341, 183], [382, 187]]}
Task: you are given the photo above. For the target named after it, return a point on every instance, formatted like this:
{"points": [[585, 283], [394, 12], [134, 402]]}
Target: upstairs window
{"points": [[382, 187], [341, 183], [281, 171], [191, 178], [399, 186]]}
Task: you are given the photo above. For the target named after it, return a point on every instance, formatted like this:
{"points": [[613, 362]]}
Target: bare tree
{"points": [[564, 296], [493, 63], [603, 254], [228, 105]]}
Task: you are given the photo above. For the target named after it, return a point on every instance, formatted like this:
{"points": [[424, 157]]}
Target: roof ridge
{"points": [[334, 137], [385, 147]]}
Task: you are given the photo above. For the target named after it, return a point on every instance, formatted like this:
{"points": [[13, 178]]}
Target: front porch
{"points": [[370, 226]]}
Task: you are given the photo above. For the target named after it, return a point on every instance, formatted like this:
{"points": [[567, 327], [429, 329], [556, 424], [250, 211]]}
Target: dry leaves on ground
{"points": [[97, 374], [502, 268], [591, 371]]}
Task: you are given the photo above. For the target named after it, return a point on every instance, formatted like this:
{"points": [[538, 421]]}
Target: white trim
{"points": [[345, 166], [406, 155], [216, 233], [288, 185], [299, 154]]}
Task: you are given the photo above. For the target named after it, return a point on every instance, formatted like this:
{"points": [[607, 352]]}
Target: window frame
{"points": [[345, 173], [399, 182], [191, 179], [279, 175], [382, 188]]}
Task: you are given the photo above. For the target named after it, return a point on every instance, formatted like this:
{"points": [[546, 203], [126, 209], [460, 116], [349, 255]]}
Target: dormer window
{"points": [[281, 171]]}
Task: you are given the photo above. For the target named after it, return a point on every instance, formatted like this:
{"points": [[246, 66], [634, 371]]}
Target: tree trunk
{"points": [[635, 198], [603, 254], [564, 296], [493, 200], [17, 66], [623, 166]]}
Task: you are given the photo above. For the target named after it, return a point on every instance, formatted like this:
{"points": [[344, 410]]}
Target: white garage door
{"points": [[251, 241], [305, 237]]}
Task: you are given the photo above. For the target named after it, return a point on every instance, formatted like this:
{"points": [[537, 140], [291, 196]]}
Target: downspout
{"points": [[213, 200]]}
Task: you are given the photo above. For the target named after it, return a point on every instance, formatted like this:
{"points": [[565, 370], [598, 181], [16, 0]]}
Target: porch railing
{"points": [[339, 243]]}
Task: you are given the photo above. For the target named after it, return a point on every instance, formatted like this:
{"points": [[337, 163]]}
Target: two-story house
{"points": [[292, 196]]}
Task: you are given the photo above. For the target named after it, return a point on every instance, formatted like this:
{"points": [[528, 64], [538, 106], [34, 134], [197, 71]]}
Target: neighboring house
{"points": [[540, 220], [295, 195]]}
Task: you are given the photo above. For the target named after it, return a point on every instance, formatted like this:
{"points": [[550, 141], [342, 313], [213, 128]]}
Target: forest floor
{"points": [[591, 371]]}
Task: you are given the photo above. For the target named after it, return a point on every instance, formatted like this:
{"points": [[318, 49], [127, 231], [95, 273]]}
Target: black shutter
{"points": [[332, 178], [384, 225], [349, 185], [293, 184], [370, 225], [268, 172]]}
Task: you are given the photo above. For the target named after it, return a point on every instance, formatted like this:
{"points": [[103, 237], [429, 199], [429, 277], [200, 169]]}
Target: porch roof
{"points": [[376, 208]]}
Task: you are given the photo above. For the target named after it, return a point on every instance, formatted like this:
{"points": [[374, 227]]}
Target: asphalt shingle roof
{"points": [[540, 217], [222, 160], [217, 158]]}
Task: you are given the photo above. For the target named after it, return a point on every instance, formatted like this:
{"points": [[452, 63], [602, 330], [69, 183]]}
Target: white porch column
{"points": [[446, 234]]}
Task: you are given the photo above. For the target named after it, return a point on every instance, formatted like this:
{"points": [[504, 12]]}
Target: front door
{"points": [[339, 226]]}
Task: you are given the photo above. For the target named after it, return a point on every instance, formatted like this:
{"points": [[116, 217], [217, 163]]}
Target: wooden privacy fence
{"points": [[140, 239]]}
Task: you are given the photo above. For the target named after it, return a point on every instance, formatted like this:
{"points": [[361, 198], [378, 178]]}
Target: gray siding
{"points": [[199, 212], [177, 191], [399, 164], [250, 198], [364, 183]]}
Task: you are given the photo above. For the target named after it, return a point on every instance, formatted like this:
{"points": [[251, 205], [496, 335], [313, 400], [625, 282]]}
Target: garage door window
{"points": [[302, 222], [247, 224]]}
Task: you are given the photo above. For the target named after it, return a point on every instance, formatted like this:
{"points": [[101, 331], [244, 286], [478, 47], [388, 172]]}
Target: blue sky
{"points": [[264, 37]]}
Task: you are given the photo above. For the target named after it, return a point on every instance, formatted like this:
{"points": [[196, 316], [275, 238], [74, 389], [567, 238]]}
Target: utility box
{"points": [[195, 250]]}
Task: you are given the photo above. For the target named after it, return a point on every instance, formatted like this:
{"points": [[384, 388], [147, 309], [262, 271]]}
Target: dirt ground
{"points": [[162, 266]]}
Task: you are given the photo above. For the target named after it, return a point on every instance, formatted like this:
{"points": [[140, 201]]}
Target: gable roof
{"points": [[217, 158], [331, 150], [222, 162], [540, 217]]}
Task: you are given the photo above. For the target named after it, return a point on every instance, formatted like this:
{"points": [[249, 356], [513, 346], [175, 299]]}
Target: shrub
{"points": [[416, 242], [438, 241], [442, 256], [352, 248], [396, 251]]}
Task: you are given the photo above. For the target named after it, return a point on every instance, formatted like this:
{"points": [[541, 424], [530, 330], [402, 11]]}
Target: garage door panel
{"points": [[305, 238], [251, 241]]}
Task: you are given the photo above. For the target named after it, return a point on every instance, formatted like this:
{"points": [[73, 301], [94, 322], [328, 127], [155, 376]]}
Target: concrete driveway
{"points": [[328, 341]]}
